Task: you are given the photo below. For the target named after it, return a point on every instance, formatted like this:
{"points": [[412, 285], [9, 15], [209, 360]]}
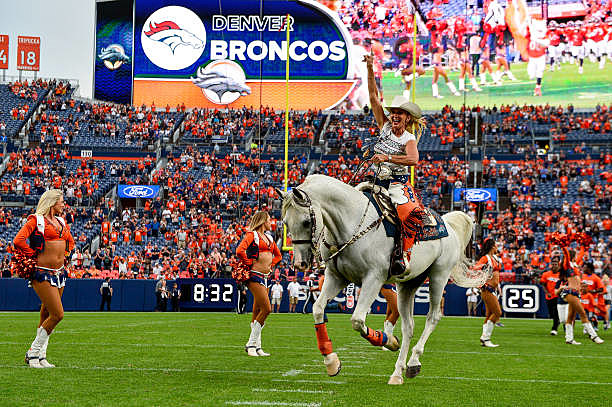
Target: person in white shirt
{"points": [[472, 300], [277, 295], [294, 289]]}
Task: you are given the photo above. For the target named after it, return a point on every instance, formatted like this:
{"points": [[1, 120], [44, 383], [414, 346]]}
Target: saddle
{"points": [[433, 225], [383, 200]]}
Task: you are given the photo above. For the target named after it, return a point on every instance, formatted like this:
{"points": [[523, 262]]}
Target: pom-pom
{"points": [[240, 271]]}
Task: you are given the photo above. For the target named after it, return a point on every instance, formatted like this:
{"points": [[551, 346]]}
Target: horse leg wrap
{"points": [[323, 341], [376, 338]]}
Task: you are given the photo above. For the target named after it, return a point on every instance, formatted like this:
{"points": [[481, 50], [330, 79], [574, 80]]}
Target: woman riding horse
{"points": [[395, 151]]}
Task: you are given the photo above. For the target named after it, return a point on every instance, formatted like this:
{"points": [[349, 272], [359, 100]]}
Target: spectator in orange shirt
{"points": [[549, 280]]}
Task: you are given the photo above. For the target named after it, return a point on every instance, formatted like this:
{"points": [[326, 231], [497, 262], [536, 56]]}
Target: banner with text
{"points": [[28, 53]]}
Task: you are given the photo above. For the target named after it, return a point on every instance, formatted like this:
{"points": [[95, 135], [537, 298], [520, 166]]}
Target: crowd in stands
{"points": [[195, 230], [65, 121], [18, 101]]}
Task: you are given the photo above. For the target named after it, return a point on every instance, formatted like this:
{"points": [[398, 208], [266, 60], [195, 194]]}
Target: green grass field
{"points": [[198, 359], [558, 88]]}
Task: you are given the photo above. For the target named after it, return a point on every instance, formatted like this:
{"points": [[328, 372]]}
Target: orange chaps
{"points": [[411, 215]]}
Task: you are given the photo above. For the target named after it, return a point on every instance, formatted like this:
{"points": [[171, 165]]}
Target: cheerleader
{"points": [[567, 288], [258, 254], [488, 291], [42, 246]]}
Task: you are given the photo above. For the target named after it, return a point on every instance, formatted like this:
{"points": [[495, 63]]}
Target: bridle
{"points": [[304, 201]]}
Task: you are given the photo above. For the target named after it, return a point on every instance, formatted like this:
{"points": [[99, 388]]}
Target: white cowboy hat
{"points": [[400, 102]]}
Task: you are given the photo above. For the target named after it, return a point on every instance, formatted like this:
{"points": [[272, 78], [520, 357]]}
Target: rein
{"points": [[334, 250]]}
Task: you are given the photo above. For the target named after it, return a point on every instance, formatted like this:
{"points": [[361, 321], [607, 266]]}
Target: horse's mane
{"points": [[316, 181]]}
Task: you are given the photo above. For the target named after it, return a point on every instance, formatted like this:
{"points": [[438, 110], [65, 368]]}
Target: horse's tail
{"points": [[462, 274]]}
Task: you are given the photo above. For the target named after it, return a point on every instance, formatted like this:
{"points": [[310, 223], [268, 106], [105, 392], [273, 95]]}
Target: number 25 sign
{"points": [[28, 53]]}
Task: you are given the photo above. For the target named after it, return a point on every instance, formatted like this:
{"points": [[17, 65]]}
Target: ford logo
{"points": [[477, 195], [139, 191]]}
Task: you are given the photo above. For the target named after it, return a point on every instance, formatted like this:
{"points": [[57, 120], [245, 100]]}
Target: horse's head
{"points": [[299, 217]]}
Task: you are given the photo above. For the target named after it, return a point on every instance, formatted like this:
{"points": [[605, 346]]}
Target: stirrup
{"points": [[397, 267]]}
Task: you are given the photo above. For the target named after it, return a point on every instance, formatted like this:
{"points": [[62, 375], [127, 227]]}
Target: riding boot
{"points": [[411, 216]]}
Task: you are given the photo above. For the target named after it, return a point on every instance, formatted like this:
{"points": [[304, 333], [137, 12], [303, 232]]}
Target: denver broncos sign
{"points": [[211, 53]]}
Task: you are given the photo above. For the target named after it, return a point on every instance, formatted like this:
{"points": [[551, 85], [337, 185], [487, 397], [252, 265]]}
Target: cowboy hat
{"points": [[400, 102]]}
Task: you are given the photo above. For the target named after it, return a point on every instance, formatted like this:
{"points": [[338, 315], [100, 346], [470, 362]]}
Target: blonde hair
{"points": [[48, 200], [417, 126], [258, 219]]}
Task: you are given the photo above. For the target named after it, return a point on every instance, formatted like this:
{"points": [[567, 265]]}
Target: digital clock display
{"points": [[218, 293]]}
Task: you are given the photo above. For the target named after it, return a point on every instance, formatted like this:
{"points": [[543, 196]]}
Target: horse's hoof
{"points": [[332, 364], [392, 343], [396, 380], [413, 371]]}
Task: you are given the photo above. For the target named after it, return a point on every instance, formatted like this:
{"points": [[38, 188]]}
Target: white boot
{"points": [[511, 76], [251, 345], [475, 85], [497, 77], [406, 94], [452, 88], [485, 339], [388, 328], [602, 62], [483, 79], [462, 84], [33, 354], [592, 334], [258, 349], [434, 91], [42, 358], [569, 335]]}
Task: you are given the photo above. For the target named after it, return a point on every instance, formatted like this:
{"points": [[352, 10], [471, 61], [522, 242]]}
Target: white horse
{"points": [[324, 212]]}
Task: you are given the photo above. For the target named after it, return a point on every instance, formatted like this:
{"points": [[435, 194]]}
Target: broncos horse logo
{"points": [[172, 35], [113, 56], [218, 82]]}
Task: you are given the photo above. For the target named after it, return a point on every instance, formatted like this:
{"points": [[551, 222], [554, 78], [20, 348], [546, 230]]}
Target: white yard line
{"points": [[323, 381], [293, 391], [271, 403]]}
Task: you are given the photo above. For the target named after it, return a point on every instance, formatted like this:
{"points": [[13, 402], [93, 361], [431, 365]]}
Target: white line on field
{"points": [[293, 391], [271, 403], [501, 379], [292, 372], [323, 381]]}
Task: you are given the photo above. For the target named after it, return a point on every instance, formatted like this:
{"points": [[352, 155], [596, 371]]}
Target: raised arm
{"points": [[377, 108]]}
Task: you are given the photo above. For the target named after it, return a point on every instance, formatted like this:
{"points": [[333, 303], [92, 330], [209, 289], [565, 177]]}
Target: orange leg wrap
{"points": [[376, 338], [323, 341]]}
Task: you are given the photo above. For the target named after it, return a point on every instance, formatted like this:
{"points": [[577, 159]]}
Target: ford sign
{"points": [[138, 191], [475, 194]]}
